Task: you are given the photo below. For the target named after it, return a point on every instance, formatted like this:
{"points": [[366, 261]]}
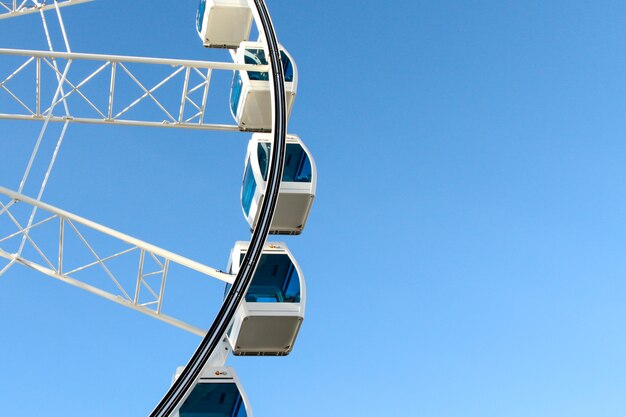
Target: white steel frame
{"points": [[52, 265], [40, 67], [21, 7], [171, 117], [195, 77]]}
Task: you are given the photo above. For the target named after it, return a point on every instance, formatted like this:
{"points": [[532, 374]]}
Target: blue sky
{"points": [[465, 252]]}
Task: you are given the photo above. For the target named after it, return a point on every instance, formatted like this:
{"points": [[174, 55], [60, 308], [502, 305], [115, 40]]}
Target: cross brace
{"points": [[147, 266], [97, 90]]}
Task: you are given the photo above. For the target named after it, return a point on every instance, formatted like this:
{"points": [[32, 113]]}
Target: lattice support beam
{"points": [[23, 7], [151, 264], [191, 78]]}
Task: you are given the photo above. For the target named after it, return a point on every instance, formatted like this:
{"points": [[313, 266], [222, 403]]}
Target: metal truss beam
{"points": [[23, 7], [190, 79], [148, 267]]}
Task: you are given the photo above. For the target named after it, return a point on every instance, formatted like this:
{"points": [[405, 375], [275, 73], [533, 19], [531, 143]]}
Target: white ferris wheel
{"points": [[265, 292]]}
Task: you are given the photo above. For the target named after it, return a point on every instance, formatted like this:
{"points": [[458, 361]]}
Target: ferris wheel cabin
{"points": [[223, 23], [218, 393], [297, 189], [267, 321], [250, 101]]}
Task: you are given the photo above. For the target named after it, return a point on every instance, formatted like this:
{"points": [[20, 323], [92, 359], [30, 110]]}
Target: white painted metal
{"points": [[253, 111], [60, 77], [220, 354], [225, 23], [266, 328], [24, 7], [135, 252], [193, 78], [295, 198]]}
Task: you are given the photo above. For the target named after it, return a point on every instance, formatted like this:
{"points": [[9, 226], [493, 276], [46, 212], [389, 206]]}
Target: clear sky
{"points": [[465, 255]]}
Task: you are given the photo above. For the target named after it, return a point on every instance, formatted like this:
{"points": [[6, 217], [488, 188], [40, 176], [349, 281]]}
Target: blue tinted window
{"points": [[200, 15], [275, 280], [247, 190], [287, 67], [214, 400], [257, 57], [297, 164], [235, 93], [263, 155]]}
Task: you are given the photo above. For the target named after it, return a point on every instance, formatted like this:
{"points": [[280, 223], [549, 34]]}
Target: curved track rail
{"points": [[182, 387]]}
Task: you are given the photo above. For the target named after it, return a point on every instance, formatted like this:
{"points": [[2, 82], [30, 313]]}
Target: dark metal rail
{"points": [[182, 387]]}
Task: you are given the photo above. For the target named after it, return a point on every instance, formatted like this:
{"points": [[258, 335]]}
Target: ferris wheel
{"points": [[265, 291]]}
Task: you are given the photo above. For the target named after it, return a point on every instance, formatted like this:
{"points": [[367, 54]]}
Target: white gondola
{"points": [[268, 320], [218, 393], [297, 189], [250, 101], [223, 23]]}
